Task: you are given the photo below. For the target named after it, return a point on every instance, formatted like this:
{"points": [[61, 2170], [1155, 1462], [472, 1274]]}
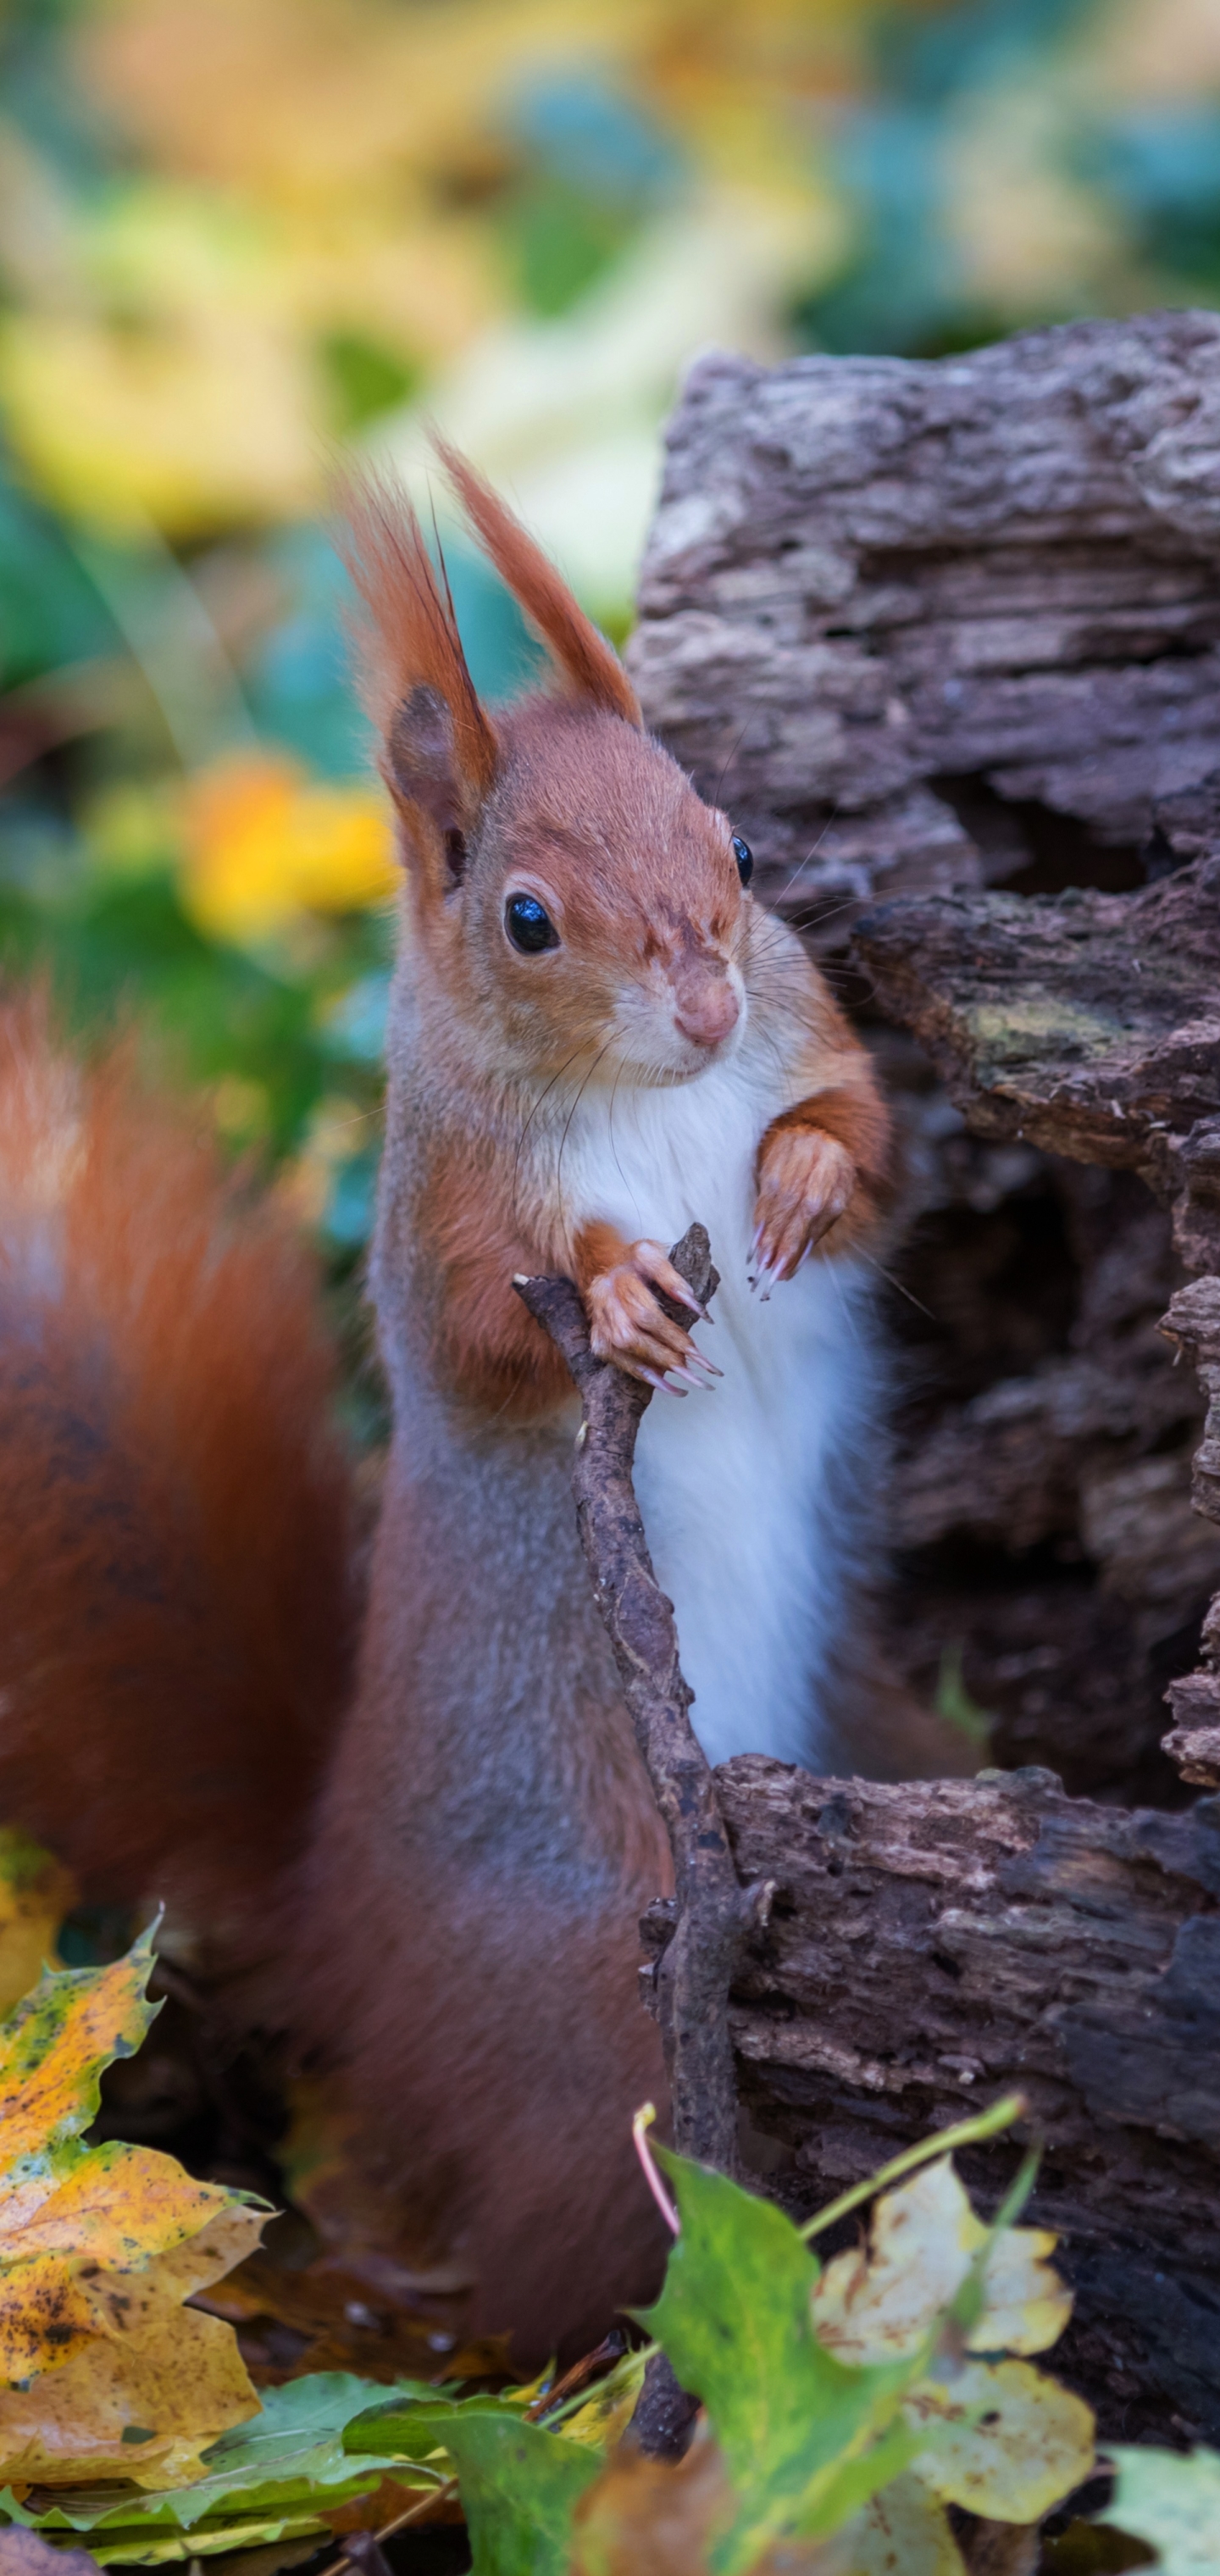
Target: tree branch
{"points": [[703, 1929], [711, 1913]]}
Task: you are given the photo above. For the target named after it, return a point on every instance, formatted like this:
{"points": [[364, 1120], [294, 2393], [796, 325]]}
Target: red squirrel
{"points": [[596, 1034]]}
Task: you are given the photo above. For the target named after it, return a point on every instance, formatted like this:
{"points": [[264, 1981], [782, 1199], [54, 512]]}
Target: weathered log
{"points": [[937, 626], [1089, 1024], [1193, 1323], [930, 629], [895, 605], [932, 1944]]}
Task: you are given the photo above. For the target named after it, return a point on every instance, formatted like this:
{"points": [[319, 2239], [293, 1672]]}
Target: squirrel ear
{"points": [[589, 665], [439, 751], [420, 767]]}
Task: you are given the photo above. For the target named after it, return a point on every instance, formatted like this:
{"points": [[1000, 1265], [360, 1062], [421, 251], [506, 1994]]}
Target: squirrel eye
{"points": [[529, 924], [744, 856]]}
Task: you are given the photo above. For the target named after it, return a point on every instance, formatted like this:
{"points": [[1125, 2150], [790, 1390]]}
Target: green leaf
{"points": [[520, 2488], [800, 2431], [1171, 2502], [415, 2421], [269, 2477]]}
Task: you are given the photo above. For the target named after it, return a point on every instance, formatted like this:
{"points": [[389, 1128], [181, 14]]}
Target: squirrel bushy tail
{"points": [[177, 1613]]}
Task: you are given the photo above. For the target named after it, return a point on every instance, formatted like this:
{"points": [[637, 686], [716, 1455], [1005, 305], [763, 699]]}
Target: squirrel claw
{"points": [[651, 1378], [630, 1328]]}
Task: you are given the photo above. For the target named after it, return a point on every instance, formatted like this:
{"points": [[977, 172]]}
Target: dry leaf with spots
{"points": [[878, 2302], [35, 1894], [652, 2518], [607, 2410], [107, 2373], [901, 2532], [1008, 2442]]}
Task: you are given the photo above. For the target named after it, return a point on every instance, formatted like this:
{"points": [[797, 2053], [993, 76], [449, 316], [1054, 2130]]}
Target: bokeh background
{"points": [[240, 237]]}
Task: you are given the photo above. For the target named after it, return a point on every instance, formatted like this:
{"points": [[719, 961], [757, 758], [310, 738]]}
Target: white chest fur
{"points": [[743, 1491]]}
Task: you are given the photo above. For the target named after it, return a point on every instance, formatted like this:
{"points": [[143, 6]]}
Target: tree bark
{"points": [[933, 1944], [1089, 1025], [702, 1930], [929, 628], [697, 1936], [892, 604]]}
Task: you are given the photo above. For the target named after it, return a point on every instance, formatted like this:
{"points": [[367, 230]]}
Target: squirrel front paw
{"points": [[806, 1182], [628, 1326]]}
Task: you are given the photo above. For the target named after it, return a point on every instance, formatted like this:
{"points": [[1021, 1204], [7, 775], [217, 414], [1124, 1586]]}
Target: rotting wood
{"points": [[1088, 1024], [928, 629], [932, 627], [928, 1946], [888, 606], [1193, 1323], [933, 1944]]}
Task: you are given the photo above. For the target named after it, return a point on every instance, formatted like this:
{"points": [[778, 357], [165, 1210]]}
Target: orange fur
{"points": [[591, 668], [857, 1115], [488, 1348], [176, 1605], [457, 1908], [411, 637]]}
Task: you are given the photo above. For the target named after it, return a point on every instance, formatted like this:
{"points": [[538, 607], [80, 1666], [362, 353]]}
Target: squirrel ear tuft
{"points": [[590, 666], [439, 752]]}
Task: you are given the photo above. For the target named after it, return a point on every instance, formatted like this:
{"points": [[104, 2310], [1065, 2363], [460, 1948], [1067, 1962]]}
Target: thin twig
{"points": [[445, 2493]]}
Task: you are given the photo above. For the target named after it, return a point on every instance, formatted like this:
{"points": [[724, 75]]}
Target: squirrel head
{"points": [[579, 903]]}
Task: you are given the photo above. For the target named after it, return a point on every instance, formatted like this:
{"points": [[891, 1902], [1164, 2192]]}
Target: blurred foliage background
{"points": [[238, 237]]}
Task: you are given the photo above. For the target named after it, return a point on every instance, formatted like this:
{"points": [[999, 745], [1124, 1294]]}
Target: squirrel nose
{"points": [[706, 1007]]}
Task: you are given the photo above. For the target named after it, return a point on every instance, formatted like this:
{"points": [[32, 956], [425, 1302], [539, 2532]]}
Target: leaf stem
{"points": [[444, 2494], [640, 2127], [968, 2133]]}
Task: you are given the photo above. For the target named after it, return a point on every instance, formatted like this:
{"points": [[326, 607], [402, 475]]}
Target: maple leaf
{"points": [[35, 1894], [107, 2373], [877, 2303]]}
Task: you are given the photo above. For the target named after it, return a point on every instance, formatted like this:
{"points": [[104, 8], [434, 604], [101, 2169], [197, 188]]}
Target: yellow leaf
{"points": [[903, 2528], [608, 2410], [144, 2409], [877, 2303], [264, 843], [52, 2053], [108, 2373], [35, 1895], [1008, 2443]]}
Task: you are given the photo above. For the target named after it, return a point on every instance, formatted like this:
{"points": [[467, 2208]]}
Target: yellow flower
{"points": [[264, 842]]}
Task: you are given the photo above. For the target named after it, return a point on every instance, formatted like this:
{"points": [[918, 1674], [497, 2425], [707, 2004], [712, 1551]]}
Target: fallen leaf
{"points": [[22, 2553], [342, 2318], [901, 2532], [145, 2407], [99, 2247], [609, 2407], [805, 2437], [1173, 2502], [35, 1895], [879, 2302], [520, 2487], [1009, 2442], [279, 2475], [651, 2518], [654, 2517]]}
